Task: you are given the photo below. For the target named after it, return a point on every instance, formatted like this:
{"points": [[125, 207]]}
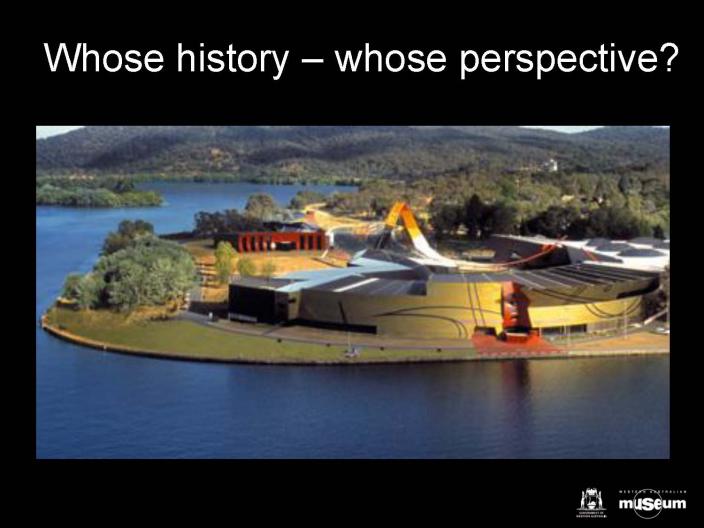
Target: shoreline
{"points": [[472, 354], [75, 339]]}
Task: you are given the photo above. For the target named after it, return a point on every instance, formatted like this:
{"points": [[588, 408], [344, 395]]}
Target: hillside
{"points": [[349, 151]]}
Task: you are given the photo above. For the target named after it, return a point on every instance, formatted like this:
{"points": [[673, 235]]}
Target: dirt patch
{"points": [[490, 346], [327, 220]]}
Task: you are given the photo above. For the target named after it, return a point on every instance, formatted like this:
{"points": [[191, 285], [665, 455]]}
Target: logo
{"points": [[649, 503], [591, 504]]}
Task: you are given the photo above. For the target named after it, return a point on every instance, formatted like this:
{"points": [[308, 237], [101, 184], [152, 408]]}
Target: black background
{"points": [[427, 492]]}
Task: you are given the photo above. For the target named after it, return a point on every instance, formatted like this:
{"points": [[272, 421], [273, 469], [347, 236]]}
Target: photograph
{"points": [[352, 291]]}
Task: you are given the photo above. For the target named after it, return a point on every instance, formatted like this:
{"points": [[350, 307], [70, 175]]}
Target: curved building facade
{"points": [[551, 287]]}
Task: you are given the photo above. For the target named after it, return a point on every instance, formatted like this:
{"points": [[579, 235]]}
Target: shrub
{"points": [[268, 269], [148, 271], [127, 231], [224, 253], [86, 290], [246, 267]]}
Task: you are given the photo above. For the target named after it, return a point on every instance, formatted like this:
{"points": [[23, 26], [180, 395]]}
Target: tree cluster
{"points": [[93, 192], [262, 206], [148, 271], [223, 222], [528, 194], [260, 209], [308, 153], [479, 219], [127, 232]]}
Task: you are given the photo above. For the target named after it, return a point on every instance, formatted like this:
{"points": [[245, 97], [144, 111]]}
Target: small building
{"points": [[550, 165], [279, 236]]}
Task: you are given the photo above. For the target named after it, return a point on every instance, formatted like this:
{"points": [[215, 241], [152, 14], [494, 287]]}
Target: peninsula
{"points": [[464, 310]]}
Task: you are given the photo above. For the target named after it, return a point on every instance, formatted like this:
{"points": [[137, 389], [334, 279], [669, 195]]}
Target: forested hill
{"points": [[350, 151]]}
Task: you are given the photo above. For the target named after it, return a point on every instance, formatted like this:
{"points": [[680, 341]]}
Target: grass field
{"points": [[185, 339]]}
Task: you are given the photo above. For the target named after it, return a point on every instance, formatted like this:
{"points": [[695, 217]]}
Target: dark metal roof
{"points": [[340, 283], [577, 255], [385, 287], [416, 273], [579, 275], [414, 278], [641, 253], [594, 242], [261, 282], [618, 274], [361, 285], [504, 276], [650, 241], [614, 246]]}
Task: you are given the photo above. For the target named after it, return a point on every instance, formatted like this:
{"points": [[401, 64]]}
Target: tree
{"points": [[224, 222], [610, 222], [127, 291], [261, 206], [498, 218], [100, 192], [127, 231], [123, 185], [148, 272], [581, 229], [445, 218], [381, 205], [602, 191], [85, 290], [268, 269], [618, 223], [554, 222], [630, 184], [473, 212], [224, 253], [246, 267], [71, 286]]}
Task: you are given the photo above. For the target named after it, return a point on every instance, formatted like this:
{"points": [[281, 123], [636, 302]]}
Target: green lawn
{"points": [[191, 340]]}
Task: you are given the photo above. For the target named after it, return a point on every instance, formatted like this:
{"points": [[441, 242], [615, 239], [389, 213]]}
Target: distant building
{"points": [[550, 165], [279, 236]]}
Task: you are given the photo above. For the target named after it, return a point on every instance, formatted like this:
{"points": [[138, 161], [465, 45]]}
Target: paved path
{"points": [[486, 346], [305, 334], [196, 293]]}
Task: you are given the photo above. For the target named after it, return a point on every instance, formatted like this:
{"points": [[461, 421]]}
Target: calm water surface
{"points": [[101, 405]]}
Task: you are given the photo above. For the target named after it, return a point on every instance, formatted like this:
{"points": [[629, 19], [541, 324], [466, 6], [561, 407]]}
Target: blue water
{"points": [[100, 405]]}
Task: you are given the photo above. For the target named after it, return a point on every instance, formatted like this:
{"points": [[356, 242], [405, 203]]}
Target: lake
{"points": [[92, 404]]}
